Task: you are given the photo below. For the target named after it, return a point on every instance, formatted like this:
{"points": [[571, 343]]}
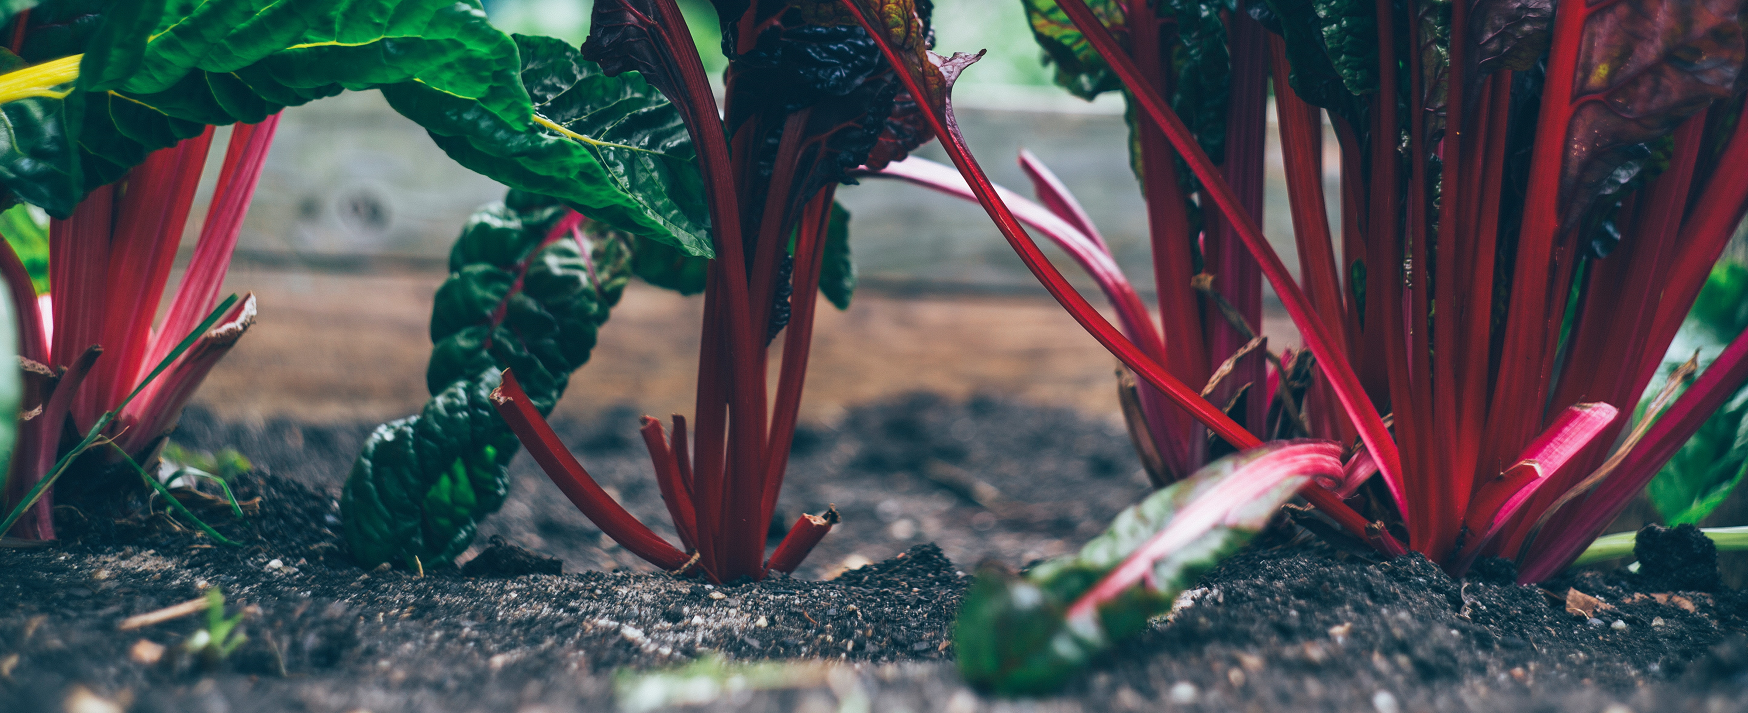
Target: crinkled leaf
{"points": [[623, 155], [520, 295], [1313, 75], [1079, 68], [1643, 68], [837, 275], [813, 57], [1029, 634], [1204, 70], [1510, 34], [1350, 34]]}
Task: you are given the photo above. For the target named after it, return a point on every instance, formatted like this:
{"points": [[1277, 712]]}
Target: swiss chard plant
{"points": [[1532, 194], [108, 107], [809, 97]]}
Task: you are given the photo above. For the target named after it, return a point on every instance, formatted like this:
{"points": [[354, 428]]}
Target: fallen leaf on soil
{"points": [[1584, 605], [1674, 600], [84, 701], [145, 652]]}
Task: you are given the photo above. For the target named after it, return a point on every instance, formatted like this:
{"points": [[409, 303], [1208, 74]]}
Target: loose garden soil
{"points": [[928, 488]]}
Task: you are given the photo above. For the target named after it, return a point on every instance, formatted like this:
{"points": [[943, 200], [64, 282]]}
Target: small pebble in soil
{"points": [[1385, 702], [1183, 693], [275, 564], [718, 595], [1618, 625], [1593, 621], [762, 622], [1657, 621]]}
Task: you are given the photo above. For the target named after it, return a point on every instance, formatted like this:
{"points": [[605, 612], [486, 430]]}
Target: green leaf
{"points": [[26, 228], [525, 292], [1079, 68], [119, 45], [837, 274], [1314, 74], [1350, 32], [1204, 68], [11, 386], [164, 73], [1709, 466], [665, 266], [621, 155], [1029, 634]]}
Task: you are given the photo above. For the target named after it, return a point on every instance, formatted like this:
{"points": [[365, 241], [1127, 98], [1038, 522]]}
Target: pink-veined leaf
{"points": [[1028, 634]]}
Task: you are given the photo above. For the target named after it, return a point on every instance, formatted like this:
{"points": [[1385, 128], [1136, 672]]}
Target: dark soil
{"points": [[1291, 624]]}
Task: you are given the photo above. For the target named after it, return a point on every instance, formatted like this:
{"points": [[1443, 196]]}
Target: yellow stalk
{"points": [[39, 80]]}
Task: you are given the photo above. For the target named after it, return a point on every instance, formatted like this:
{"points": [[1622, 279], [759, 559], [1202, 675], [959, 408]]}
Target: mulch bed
{"points": [[928, 488]]}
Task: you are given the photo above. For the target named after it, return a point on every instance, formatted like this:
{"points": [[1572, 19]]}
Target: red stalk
{"points": [[1317, 339], [683, 458], [1239, 279], [946, 128], [797, 343], [1534, 316], [667, 470], [1302, 154], [1186, 349], [570, 477], [807, 532]]}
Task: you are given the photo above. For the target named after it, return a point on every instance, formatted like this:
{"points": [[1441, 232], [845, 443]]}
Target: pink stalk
{"points": [[198, 292], [153, 208], [79, 250], [1056, 196], [154, 413], [1497, 501]]}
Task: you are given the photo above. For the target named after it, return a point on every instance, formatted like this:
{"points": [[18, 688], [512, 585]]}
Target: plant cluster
{"points": [[109, 108], [1532, 196], [809, 97]]}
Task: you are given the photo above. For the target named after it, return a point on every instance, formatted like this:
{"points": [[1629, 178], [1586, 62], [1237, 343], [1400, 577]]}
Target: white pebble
{"points": [[1618, 625], [1657, 621], [1183, 693], [1384, 702], [275, 564], [718, 595], [762, 622]]}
